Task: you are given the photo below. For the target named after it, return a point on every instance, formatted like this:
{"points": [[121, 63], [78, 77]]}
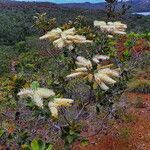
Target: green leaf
{"points": [[84, 142], [95, 85], [41, 145], [112, 43], [35, 85], [71, 132], [34, 145], [30, 104], [25, 147], [50, 147], [30, 65], [97, 109], [127, 54], [128, 43], [1, 132], [70, 139]]}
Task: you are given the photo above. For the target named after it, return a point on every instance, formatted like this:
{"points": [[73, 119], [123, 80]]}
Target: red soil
{"points": [[139, 47], [138, 139]]}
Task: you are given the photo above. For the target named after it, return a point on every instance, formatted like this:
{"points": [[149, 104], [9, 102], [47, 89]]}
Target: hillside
{"points": [[25, 5], [17, 18], [137, 5]]}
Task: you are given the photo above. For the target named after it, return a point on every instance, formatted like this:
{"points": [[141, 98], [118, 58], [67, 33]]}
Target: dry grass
{"points": [[139, 85]]}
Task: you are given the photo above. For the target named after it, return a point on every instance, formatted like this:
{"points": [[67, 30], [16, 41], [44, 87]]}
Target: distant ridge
{"points": [[137, 5], [7, 4], [86, 5]]}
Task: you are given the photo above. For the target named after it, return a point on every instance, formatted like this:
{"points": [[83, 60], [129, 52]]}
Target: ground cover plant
{"points": [[74, 82]]}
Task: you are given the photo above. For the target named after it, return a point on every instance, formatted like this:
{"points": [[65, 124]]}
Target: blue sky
{"points": [[68, 1]]}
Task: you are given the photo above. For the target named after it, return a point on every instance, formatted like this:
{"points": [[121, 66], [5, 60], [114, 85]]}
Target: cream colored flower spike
{"points": [[119, 32], [76, 74], [44, 92], [81, 61], [97, 58], [54, 112], [120, 25], [53, 109], [38, 100], [105, 78], [109, 72], [102, 57], [111, 27], [71, 31], [84, 69], [110, 36], [103, 86], [58, 102], [66, 38], [25, 93], [99, 23], [36, 95], [59, 43], [52, 35], [63, 101]]}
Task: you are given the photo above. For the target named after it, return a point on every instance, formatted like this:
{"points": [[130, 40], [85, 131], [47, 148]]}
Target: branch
{"points": [[102, 126], [65, 117], [80, 112]]}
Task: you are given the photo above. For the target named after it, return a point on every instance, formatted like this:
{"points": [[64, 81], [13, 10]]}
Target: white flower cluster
{"points": [[38, 95], [58, 102], [67, 38], [102, 76], [111, 27]]}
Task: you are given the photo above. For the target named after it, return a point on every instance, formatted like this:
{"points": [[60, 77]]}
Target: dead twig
{"points": [[80, 112]]}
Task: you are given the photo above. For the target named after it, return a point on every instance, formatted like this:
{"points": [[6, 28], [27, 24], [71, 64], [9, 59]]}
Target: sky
{"points": [[68, 1]]}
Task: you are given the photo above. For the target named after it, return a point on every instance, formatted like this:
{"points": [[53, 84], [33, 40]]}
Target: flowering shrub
{"points": [[94, 64], [97, 72]]}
